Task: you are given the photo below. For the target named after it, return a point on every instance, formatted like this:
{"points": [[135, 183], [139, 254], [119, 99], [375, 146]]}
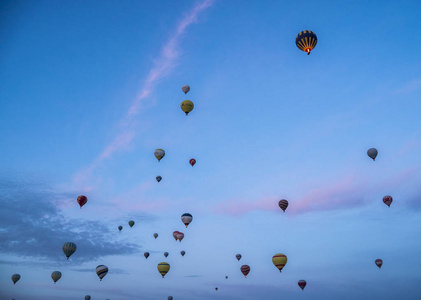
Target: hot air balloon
{"points": [[131, 223], [306, 40], [372, 153], [146, 254], [174, 234], [87, 297], [302, 284], [192, 162], [69, 248], [159, 154], [185, 88], [56, 275], [245, 269], [169, 297], [101, 271], [158, 178], [283, 204], [387, 200], [166, 254], [186, 219], [163, 268], [187, 106], [279, 260], [226, 277], [180, 236], [238, 256], [15, 278], [120, 228], [155, 235], [82, 200], [216, 289], [183, 253], [379, 263]]}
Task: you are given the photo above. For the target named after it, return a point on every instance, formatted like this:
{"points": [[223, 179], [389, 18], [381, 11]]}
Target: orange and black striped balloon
{"points": [[245, 269], [306, 40], [283, 204]]}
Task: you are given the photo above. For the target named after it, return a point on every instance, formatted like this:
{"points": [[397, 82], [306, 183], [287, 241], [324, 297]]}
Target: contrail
{"points": [[164, 64]]}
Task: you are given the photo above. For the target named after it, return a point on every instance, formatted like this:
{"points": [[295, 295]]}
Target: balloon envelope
{"points": [[155, 235], [158, 178], [82, 200], [387, 200], [163, 268], [166, 254], [101, 271], [69, 248], [15, 278], [245, 269], [238, 256], [379, 263], [192, 162], [159, 154], [186, 219], [187, 106], [283, 204], [120, 228], [372, 153], [146, 254], [216, 289], [183, 253], [279, 260], [131, 223], [56, 275], [185, 88], [180, 236], [306, 40], [87, 297], [169, 297], [174, 234], [302, 284]]}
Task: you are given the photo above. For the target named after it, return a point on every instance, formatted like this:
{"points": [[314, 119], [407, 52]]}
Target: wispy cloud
{"points": [[164, 64], [410, 87]]}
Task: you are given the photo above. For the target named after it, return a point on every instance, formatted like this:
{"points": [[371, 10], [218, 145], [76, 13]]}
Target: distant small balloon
{"points": [[192, 162], [120, 228], [185, 88], [158, 178], [283, 204], [15, 278], [302, 284], [146, 254], [69, 248], [186, 219], [169, 297], [226, 277], [245, 269], [82, 200], [216, 289], [238, 256], [174, 234], [131, 223], [159, 154], [183, 253], [56, 275], [387, 200], [101, 271], [180, 236], [87, 297], [155, 235], [372, 153], [379, 263], [166, 254]]}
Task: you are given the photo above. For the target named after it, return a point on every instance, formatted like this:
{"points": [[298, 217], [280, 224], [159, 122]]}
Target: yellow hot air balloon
{"points": [[306, 40], [159, 154], [163, 268], [187, 106], [279, 260]]}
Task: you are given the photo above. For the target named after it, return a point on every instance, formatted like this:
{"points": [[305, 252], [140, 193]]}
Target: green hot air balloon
{"points": [[131, 223], [69, 248]]}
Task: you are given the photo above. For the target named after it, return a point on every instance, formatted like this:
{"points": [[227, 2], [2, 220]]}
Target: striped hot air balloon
{"points": [[56, 275], [302, 284], [245, 269], [378, 263], [283, 204], [163, 268], [387, 200], [279, 260], [15, 278], [186, 219], [69, 248], [82, 200], [101, 271], [306, 40]]}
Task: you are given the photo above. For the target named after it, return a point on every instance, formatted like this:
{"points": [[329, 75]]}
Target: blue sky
{"points": [[90, 89]]}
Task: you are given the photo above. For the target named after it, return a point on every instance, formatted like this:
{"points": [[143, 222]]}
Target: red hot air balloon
{"points": [[387, 200], [379, 263], [302, 284], [283, 204], [245, 269], [180, 236], [82, 200], [174, 234], [192, 162]]}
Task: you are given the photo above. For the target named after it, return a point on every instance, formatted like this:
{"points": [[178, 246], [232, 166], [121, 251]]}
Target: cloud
{"points": [[164, 64], [31, 226], [411, 86]]}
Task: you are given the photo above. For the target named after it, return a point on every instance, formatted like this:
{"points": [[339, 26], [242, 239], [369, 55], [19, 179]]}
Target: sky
{"points": [[89, 90]]}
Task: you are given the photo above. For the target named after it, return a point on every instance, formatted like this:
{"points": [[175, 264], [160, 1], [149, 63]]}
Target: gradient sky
{"points": [[89, 89]]}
